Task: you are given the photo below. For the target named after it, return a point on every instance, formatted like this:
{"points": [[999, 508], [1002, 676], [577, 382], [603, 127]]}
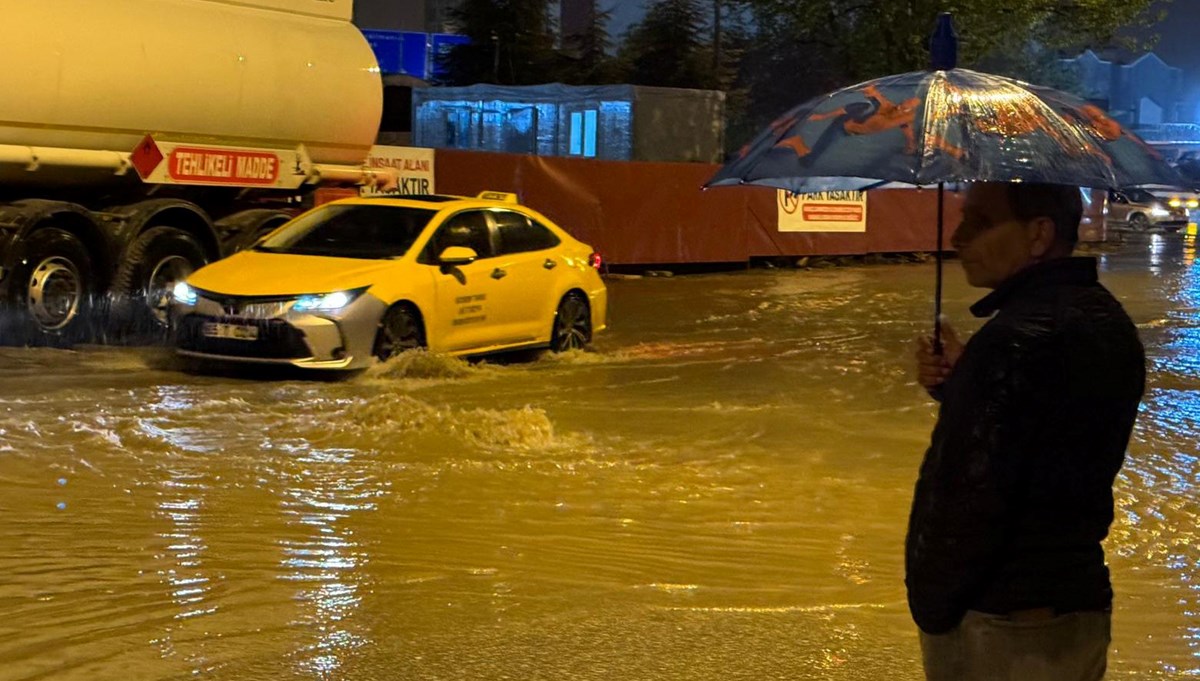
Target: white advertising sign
{"points": [[822, 211], [414, 165]]}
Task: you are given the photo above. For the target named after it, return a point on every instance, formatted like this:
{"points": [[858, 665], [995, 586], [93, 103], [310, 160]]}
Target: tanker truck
{"points": [[142, 139]]}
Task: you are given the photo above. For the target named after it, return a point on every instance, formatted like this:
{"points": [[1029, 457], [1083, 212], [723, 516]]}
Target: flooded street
{"points": [[719, 491]]}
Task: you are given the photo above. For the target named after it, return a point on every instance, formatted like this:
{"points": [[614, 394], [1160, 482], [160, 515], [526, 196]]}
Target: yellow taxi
{"points": [[362, 279]]}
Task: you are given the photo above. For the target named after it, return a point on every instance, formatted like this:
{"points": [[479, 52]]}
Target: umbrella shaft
{"points": [[937, 292]]}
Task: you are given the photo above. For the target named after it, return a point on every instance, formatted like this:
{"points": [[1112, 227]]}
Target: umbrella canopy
{"points": [[931, 127]]}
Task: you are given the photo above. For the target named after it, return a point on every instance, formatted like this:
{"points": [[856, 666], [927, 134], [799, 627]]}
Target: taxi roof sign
{"points": [[506, 197]]}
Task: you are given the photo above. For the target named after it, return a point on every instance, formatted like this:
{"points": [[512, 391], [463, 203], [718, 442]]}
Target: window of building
{"points": [[521, 130], [457, 133], [491, 130], [583, 133]]}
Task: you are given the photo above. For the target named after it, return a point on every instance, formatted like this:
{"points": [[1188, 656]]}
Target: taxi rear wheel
{"points": [[572, 324], [399, 330]]}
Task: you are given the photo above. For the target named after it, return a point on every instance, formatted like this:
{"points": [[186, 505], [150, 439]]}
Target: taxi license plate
{"points": [[233, 331]]}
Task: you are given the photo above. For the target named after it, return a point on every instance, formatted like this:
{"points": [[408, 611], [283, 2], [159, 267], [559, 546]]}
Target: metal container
{"points": [[88, 75]]}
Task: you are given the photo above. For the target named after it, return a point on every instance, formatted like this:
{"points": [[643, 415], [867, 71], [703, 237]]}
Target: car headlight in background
{"points": [[326, 302], [1193, 203], [184, 294], [1159, 211], [1175, 202]]}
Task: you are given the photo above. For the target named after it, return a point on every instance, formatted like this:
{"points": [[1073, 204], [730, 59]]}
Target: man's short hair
{"points": [[1063, 204]]}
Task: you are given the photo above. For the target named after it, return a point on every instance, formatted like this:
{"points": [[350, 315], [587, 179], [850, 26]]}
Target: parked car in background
{"points": [[367, 278], [1140, 210]]}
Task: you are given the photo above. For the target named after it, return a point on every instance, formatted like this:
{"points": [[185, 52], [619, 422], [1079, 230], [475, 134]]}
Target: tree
{"points": [[586, 58], [802, 48], [666, 47], [872, 38], [511, 43]]}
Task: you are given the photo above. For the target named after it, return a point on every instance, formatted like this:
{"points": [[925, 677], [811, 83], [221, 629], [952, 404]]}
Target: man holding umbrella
{"points": [[1005, 571]]}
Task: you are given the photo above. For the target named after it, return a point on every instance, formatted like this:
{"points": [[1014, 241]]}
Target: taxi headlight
{"points": [[184, 294], [327, 302], [1159, 212]]}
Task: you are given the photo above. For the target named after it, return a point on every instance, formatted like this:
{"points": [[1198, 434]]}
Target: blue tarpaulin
{"points": [[410, 53]]}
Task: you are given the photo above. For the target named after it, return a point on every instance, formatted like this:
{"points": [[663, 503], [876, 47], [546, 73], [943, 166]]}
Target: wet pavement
{"points": [[719, 491]]}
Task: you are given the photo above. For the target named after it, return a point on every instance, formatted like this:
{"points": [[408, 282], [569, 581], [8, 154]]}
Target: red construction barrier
{"points": [[647, 213]]}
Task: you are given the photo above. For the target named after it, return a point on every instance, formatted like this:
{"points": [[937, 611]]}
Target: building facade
{"points": [[1144, 93], [608, 122]]}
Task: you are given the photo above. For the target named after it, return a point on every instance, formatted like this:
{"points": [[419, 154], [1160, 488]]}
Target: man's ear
{"points": [[1042, 236]]}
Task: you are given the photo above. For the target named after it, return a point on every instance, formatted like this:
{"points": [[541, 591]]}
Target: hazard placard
{"points": [[146, 157]]}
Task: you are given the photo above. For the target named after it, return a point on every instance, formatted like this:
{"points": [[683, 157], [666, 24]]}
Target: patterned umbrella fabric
{"points": [[956, 125]]}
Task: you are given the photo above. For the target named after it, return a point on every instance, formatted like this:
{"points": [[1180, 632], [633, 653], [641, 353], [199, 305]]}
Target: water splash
{"points": [[425, 365]]}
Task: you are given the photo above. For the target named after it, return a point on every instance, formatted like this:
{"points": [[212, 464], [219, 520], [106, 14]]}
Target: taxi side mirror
{"points": [[457, 255]]}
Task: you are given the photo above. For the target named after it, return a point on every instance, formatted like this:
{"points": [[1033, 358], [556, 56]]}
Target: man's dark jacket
{"points": [[1015, 492]]}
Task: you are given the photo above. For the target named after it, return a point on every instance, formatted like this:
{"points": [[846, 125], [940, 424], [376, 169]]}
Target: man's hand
{"points": [[933, 369]]}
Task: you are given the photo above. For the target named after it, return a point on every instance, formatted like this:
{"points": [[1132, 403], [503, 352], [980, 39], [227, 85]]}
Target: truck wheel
{"points": [[158, 259], [242, 230], [52, 287]]}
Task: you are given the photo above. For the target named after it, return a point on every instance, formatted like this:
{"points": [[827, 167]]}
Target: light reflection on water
{"points": [[1169, 429], [326, 565], [183, 574], [719, 492]]}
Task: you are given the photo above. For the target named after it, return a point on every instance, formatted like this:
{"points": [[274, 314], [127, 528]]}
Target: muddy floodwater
{"points": [[718, 491]]}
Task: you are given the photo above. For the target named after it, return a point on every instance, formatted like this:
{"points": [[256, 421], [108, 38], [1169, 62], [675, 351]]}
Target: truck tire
{"points": [[156, 260], [52, 289], [242, 230]]}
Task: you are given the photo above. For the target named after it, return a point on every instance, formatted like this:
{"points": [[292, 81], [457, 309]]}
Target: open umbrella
{"points": [[928, 128]]}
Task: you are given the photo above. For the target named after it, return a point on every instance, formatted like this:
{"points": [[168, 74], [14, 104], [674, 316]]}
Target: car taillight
{"points": [[596, 261]]}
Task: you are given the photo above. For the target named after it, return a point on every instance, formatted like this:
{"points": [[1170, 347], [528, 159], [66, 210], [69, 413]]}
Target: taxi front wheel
{"points": [[399, 330], [572, 324]]}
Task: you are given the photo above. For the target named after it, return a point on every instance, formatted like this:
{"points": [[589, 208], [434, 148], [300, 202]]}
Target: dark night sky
{"points": [[624, 13], [1178, 44]]}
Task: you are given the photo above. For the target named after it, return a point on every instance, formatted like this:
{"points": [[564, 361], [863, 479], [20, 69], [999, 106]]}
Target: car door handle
{"points": [[549, 264], [499, 273]]}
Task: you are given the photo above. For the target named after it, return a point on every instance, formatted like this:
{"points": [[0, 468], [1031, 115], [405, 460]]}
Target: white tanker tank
{"points": [[99, 76], [140, 139]]}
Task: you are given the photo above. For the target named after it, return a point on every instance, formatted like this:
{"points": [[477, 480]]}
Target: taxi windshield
{"points": [[351, 231]]}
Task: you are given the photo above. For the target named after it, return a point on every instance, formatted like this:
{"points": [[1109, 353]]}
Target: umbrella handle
{"points": [[937, 291]]}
